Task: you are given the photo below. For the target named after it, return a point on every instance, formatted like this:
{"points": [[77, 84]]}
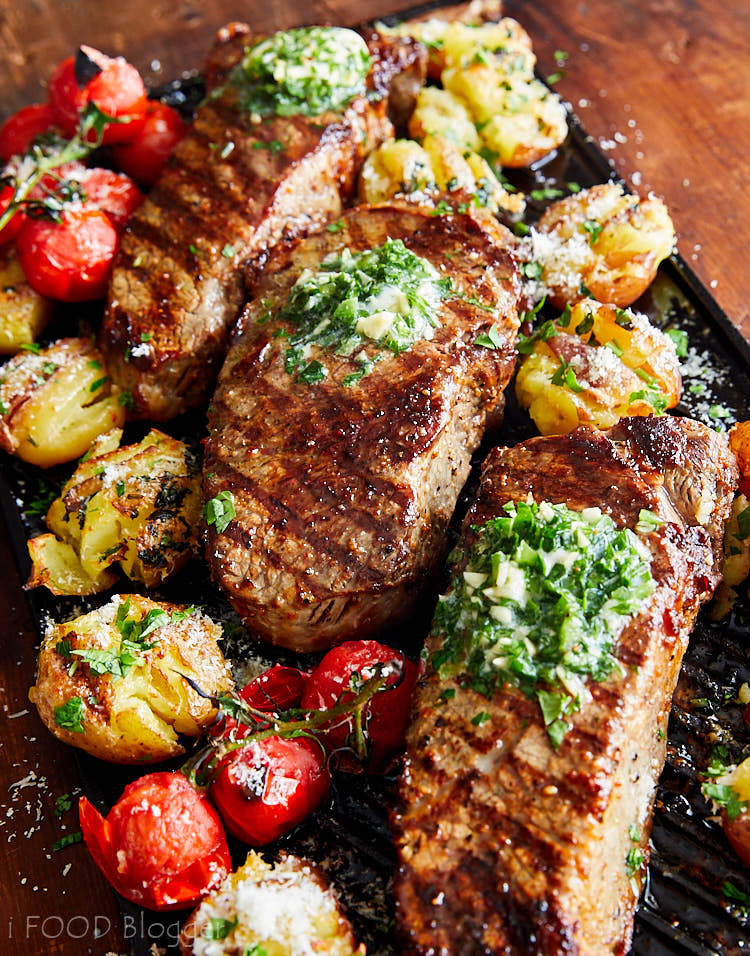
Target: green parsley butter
{"points": [[304, 71], [544, 597], [386, 295]]}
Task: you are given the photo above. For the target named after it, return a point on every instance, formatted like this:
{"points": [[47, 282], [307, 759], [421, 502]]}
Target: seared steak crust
{"points": [[507, 846], [232, 189], [343, 494]]}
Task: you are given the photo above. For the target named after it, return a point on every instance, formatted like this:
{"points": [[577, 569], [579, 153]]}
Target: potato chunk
{"points": [[595, 365], [440, 113], [138, 506], [452, 43], [23, 312], [55, 401], [282, 910], [521, 120], [436, 169], [602, 240], [110, 681]]}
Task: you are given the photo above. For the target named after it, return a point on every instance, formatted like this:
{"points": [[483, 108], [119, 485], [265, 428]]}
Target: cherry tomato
{"points": [[70, 260], [10, 229], [385, 716], [143, 157], [18, 132], [117, 90], [264, 789], [276, 689], [162, 845], [114, 193]]}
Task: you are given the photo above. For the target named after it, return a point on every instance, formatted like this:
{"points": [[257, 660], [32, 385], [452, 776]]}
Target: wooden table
{"points": [[662, 85]]}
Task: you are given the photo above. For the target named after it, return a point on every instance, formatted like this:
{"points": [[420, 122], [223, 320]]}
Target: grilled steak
{"points": [[506, 845], [343, 494], [234, 187]]}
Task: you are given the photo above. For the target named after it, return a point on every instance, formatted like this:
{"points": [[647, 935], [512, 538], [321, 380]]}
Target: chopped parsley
{"points": [[68, 840], [680, 339], [657, 400], [489, 339], [274, 146], [228, 251], [481, 718], [565, 376], [63, 803], [593, 228], [219, 928], [335, 226], [219, 511], [548, 192], [126, 398], [739, 898], [34, 347], [532, 270], [305, 71], [386, 295], [69, 715], [146, 336], [96, 385], [743, 524], [542, 600], [635, 861], [726, 797], [525, 343]]}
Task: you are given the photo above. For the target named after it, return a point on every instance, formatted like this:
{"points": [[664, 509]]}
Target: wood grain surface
{"points": [[662, 85]]}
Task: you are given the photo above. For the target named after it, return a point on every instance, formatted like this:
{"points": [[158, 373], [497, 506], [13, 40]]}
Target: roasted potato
{"points": [[599, 364], [55, 401], [437, 168], [138, 506], [603, 242], [520, 119], [398, 167], [440, 113], [110, 681], [736, 565], [452, 43], [23, 312], [300, 913]]}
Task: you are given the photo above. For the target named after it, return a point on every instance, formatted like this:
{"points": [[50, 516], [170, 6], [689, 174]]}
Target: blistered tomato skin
{"points": [[385, 716], [19, 131], [162, 845], [70, 260], [276, 689], [266, 788], [113, 193], [143, 156], [117, 90]]}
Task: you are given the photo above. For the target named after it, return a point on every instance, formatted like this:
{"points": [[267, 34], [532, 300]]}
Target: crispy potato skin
{"points": [[607, 239], [619, 361], [55, 402], [134, 718], [138, 506], [23, 312], [329, 931]]}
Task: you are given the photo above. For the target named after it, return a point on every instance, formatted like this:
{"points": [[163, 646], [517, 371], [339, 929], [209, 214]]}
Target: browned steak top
{"points": [[232, 189], [507, 846], [343, 494]]}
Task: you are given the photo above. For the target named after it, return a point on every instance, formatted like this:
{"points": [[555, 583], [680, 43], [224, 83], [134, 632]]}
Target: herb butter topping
{"points": [[386, 295], [545, 594], [304, 71]]}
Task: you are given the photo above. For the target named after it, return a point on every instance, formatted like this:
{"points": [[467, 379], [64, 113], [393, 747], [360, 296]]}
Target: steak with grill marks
{"points": [[505, 845], [343, 494], [232, 189]]}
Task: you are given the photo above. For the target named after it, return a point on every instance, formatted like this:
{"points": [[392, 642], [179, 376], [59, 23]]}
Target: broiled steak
{"points": [[507, 845], [342, 488], [237, 184]]}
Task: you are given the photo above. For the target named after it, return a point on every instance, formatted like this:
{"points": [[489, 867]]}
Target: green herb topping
{"points": [[387, 295], [304, 71], [219, 511], [544, 596], [69, 715]]}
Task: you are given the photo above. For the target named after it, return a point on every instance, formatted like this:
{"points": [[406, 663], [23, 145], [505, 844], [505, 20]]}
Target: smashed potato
{"points": [[300, 913], [424, 173], [736, 564], [452, 43], [54, 402], [521, 120], [110, 681], [440, 113], [23, 312], [601, 242], [138, 506], [596, 365]]}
